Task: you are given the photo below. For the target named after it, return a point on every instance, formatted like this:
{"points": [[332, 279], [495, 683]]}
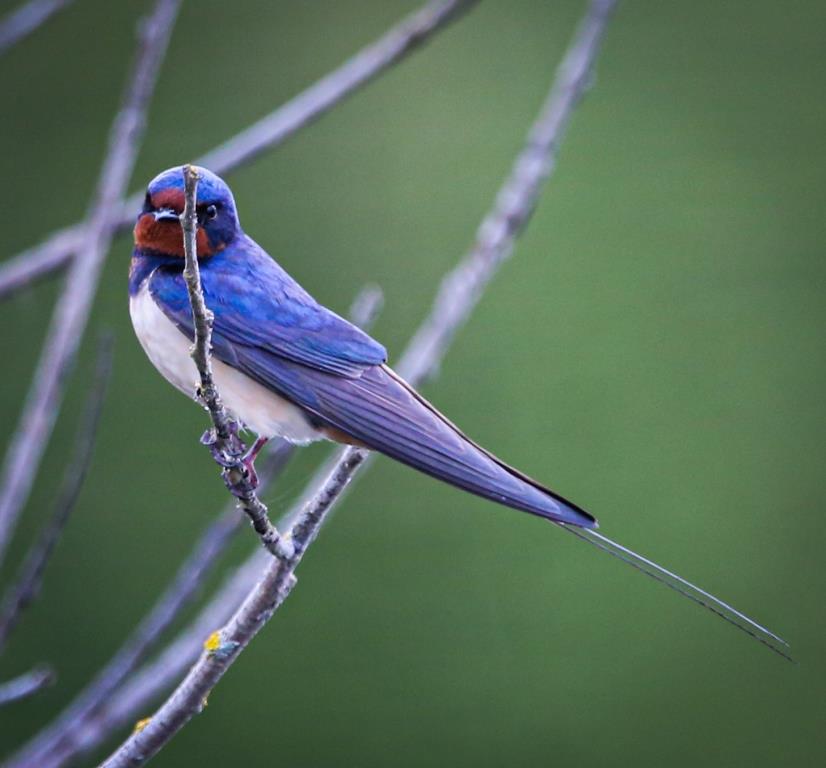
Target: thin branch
{"points": [[136, 694], [74, 305], [404, 38], [26, 19], [20, 595], [223, 647], [67, 736], [41, 260], [265, 134], [132, 699], [515, 202], [227, 448], [26, 685], [494, 243], [105, 704], [202, 318]]}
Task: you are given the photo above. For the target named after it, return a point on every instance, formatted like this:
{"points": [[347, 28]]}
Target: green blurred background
{"points": [[654, 350]]}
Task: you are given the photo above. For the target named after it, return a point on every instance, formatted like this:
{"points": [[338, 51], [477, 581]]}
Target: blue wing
{"points": [[267, 326], [258, 305]]}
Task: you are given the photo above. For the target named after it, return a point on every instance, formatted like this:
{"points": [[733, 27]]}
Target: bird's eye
{"points": [[211, 211]]}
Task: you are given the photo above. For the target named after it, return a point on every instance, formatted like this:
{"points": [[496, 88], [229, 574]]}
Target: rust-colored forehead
{"points": [[168, 198]]}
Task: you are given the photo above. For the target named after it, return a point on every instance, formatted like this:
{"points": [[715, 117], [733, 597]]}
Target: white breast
{"points": [[259, 409]]}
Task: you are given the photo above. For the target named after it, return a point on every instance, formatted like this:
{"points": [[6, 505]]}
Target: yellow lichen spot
{"points": [[141, 724], [204, 701], [213, 642]]}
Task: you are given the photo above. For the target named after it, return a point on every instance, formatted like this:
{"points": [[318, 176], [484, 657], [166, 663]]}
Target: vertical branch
{"points": [[227, 448], [27, 586], [71, 314], [201, 316], [494, 243]]}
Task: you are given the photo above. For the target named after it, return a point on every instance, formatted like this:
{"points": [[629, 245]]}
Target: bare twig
{"points": [[265, 134], [223, 647], [40, 261], [407, 36], [26, 685], [134, 697], [516, 200], [69, 734], [81, 734], [24, 20], [72, 311], [494, 243], [227, 448], [27, 586], [202, 317], [95, 713]]}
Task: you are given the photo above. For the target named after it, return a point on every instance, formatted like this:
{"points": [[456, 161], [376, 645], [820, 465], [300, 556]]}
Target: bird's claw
{"points": [[241, 479], [225, 452], [239, 472], [211, 441]]}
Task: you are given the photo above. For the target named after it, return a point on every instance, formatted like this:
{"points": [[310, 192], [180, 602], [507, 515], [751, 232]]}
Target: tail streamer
{"points": [[684, 587]]}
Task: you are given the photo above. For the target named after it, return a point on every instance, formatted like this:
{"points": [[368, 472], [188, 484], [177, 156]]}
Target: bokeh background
{"points": [[654, 350]]}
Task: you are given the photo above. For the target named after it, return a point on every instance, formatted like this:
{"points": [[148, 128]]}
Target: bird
{"points": [[288, 367]]}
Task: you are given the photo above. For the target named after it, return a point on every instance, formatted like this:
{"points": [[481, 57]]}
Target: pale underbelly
{"points": [[255, 406]]}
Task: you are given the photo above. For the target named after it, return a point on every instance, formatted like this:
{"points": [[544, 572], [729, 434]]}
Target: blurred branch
{"points": [[103, 706], [26, 19], [20, 595], [39, 261], [267, 133], [461, 289], [74, 305], [494, 244], [156, 677], [223, 647], [26, 685], [70, 734], [81, 734]]}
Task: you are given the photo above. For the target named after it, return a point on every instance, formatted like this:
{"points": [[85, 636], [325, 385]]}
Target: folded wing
{"points": [[383, 412], [271, 330]]}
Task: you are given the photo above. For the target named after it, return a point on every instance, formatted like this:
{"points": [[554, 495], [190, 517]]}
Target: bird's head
{"points": [[158, 227]]}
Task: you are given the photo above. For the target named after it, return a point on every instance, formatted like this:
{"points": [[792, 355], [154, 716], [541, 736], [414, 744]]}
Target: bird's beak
{"points": [[165, 214]]}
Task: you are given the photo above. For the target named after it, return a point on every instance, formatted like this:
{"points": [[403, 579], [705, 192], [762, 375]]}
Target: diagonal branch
{"points": [[20, 595], [265, 134], [494, 243], [25, 685], [91, 716], [22, 21], [80, 732], [461, 289], [74, 305]]}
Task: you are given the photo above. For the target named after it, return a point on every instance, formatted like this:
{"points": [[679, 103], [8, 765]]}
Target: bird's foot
{"points": [[224, 452], [241, 477]]}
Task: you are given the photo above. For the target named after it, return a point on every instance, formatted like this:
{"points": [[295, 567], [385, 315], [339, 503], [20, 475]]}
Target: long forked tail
{"points": [[685, 588]]}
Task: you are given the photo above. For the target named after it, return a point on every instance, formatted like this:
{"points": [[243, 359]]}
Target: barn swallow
{"points": [[288, 367]]}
